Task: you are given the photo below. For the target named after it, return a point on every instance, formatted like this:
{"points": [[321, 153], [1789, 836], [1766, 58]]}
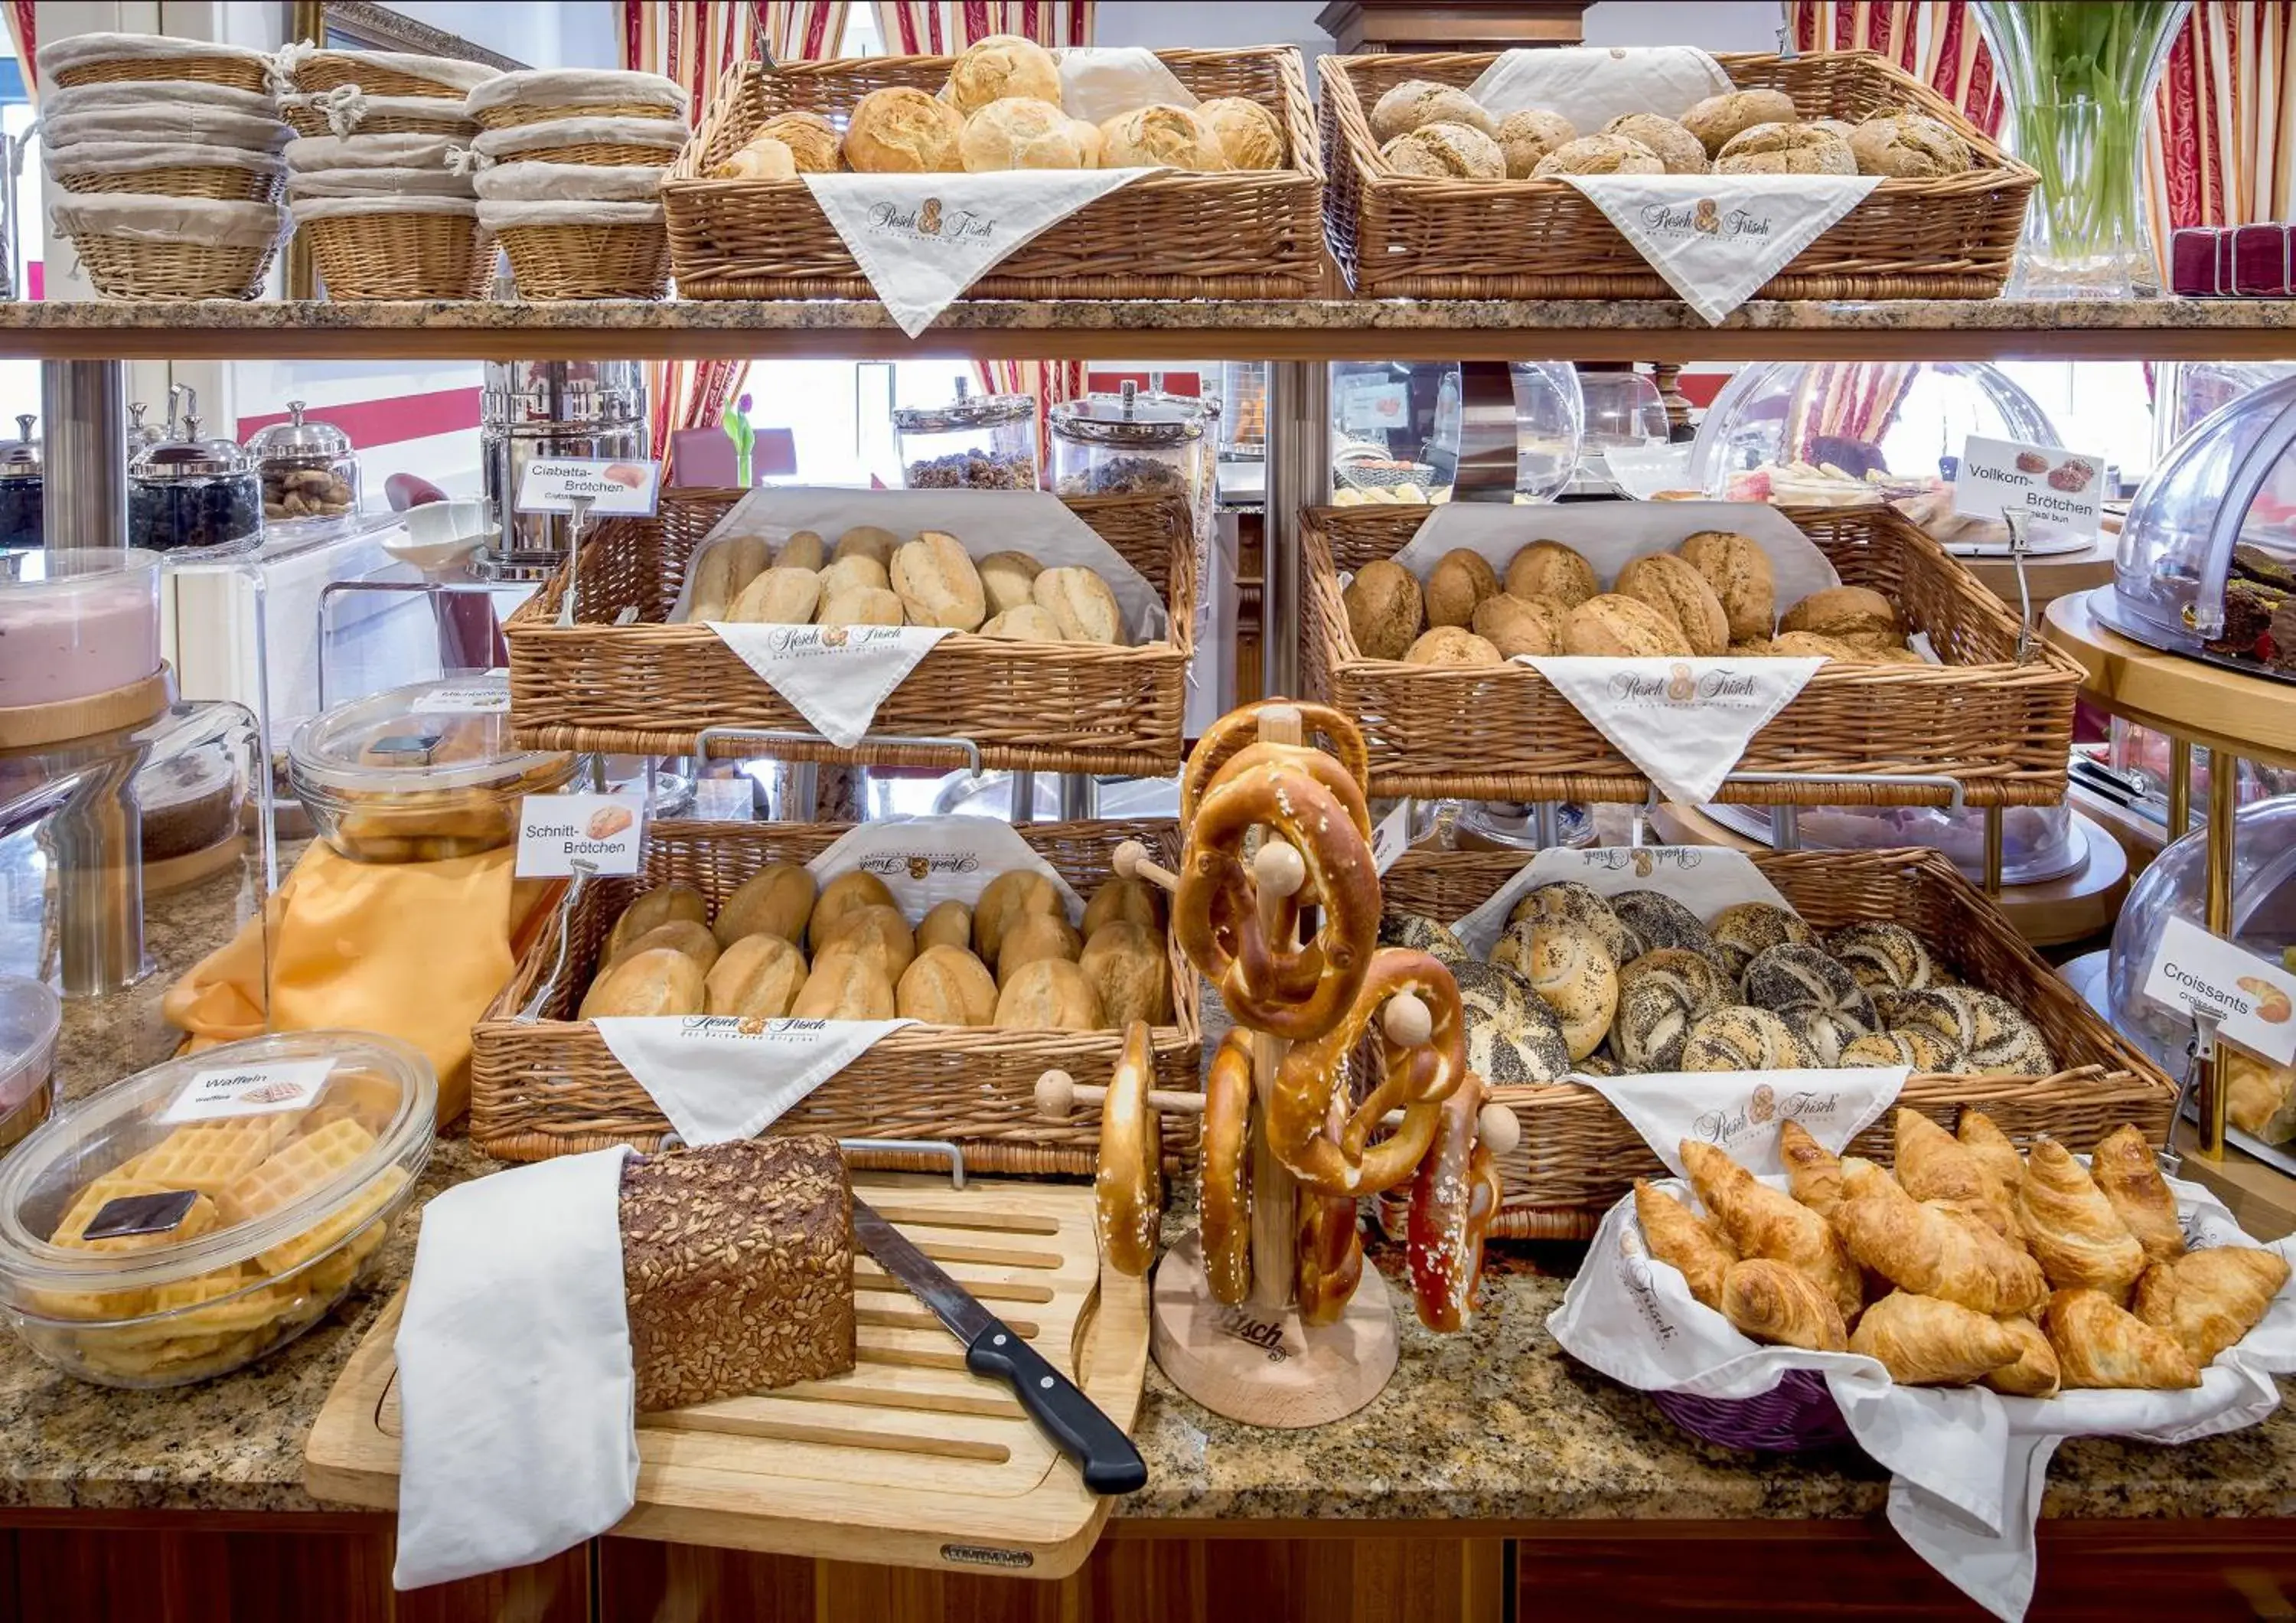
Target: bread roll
{"points": [[679, 935], [1445, 151], [778, 596], [1248, 136], [945, 923], [861, 605], [1081, 605], [899, 130], [1461, 579], [1035, 935], [723, 570], [1003, 66], [1717, 119], [659, 982], [1617, 627], [1417, 102], [1126, 965], [1845, 612], [946, 986], [841, 896], [1518, 625], [812, 140], [757, 977], [1050, 995], [1526, 137], [1026, 624], [1907, 146], [658, 906], [760, 158], [1599, 156], [1568, 967], [1785, 149], [1551, 571], [1384, 609], [878, 932], [1674, 587], [1158, 136], [1090, 142], [936, 583], [1810, 644], [1004, 902], [1681, 153], [1018, 133], [844, 986], [849, 575], [1133, 901], [777, 900], [1739, 571], [1006, 580], [1452, 645], [866, 541]]}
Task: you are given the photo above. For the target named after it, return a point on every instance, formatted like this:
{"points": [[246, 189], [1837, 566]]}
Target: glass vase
{"points": [[2078, 77]]}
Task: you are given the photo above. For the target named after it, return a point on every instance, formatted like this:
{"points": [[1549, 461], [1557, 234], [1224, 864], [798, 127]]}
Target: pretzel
{"points": [[1239, 728], [1417, 1071], [1329, 1248], [1270, 984], [1128, 1182], [1453, 1202], [1225, 1170]]}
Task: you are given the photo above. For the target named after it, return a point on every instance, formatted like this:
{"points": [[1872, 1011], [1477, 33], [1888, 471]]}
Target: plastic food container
{"points": [[195, 495], [252, 1188], [1129, 444], [23, 485], [420, 773], [988, 443], [75, 623], [308, 472], [29, 1015]]}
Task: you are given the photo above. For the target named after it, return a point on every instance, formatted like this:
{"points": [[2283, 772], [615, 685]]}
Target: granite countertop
{"points": [[1493, 1424]]}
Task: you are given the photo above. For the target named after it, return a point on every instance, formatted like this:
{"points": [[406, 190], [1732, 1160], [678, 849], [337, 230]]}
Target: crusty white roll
{"points": [[1001, 66], [1017, 133], [903, 131], [1248, 136], [1160, 136]]}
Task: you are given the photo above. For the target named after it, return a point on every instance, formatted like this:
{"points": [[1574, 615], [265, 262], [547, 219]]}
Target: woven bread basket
{"points": [[112, 59], [377, 116], [163, 169], [577, 248], [540, 95], [142, 247], [428, 248], [599, 142], [393, 73]]}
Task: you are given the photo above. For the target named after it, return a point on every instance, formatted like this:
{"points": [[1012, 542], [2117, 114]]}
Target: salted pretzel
{"points": [[1224, 1219], [1454, 1201], [1128, 1182], [1329, 1257], [1414, 1077], [1268, 982], [1238, 730]]}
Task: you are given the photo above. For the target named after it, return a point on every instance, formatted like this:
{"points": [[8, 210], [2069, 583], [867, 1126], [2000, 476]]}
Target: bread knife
{"points": [[1110, 1462]]}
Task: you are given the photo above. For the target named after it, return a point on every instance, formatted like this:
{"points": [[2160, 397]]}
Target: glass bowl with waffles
{"points": [[419, 773], [183, 1223]]}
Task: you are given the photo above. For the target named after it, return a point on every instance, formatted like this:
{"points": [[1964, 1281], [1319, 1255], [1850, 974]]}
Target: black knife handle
{"points": [[1110, 1462]]}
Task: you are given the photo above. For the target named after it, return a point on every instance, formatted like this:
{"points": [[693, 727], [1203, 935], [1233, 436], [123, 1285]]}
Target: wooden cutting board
{"points": [[908, 1460]]}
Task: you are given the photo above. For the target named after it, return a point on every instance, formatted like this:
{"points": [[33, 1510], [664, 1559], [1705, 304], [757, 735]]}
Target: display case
{"points": [[986, 442], [2038, 843], [75, 623], [1134, 443], [195, 495], [309, 472], [2207, 565], [22, 484]]}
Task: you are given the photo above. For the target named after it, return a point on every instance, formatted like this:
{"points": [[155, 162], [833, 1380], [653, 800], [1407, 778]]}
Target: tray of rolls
{"points": [[1006, 977]]}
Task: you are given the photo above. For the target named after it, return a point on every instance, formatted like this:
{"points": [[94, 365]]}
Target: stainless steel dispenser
{"points": [[586, 410]]}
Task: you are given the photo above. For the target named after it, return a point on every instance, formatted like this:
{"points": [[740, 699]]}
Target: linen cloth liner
{"points": [[127, 157], [664, 133], [156, 49], [167, 122], [380, 183], [451, 71], [75, 99], [579, 87], [499, 215], [336, 207], [143, 217], [347, 107], [378, 152], [568, 182]]}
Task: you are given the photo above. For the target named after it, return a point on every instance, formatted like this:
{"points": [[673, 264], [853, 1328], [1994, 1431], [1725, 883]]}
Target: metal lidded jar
{"points": [[987, 443], [23, 482], [195, 495], [1129, 444], [309, 471]]}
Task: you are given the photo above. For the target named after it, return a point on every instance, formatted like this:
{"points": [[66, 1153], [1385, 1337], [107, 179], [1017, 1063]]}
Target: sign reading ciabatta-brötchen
{"points": [[2253, 999], [614, 490], [2046, 483], [603, 832]]}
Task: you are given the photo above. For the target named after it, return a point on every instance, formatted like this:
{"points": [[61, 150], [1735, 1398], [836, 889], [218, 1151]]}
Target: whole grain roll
{"points": [[1681, 153], [1526, 137], [1908, 146], [936, 583], [900, 130], [1126, 965], [946, 986], [1132, 900], [757, 977], [1445, 151], [1417, 102], [1452, 645], [1599, 156], [945, 923], [661, 981], [1248, 136], [878, 932], [1615, 627], [1160, 136], [1810, 644], [844, 986], [778, 596], [658, 906], [842, 895], [1032, 936], [1717, 119], [1845, 612], [1551, 571], [1461, 578], [1004, 902], [1674, 587], [1518, 625], [1785, 149], [1050, 995], [1385, 609], [1026, 624], [777, 900], [1081, 605], [1007, 580], [1002, 66], [1739, 571]]}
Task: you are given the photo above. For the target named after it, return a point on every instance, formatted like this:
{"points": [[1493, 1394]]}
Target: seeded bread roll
{"points": [[1451, 645], [802, 550], [866, 541], [1742, 933], [1513, 1039], [1421, 934], [1385, 609], [679, 935], [1616, 627], [945, 923], [1790, 977], [1785, 149], [1004, 902], [1445, 151], [842, 896], [1995, 1037], [1248, 136], [1599, 156], [1126, 965], [1132, 900], [1026, 624], [1417, 102], [1826, 1033], [778, 596], [1662, 996], [1879, 953], [812, 140], [1681, 153], [1659, 920], [1081, 605], [1674, 587], [658, 906], [1032, 936], [1007, 580], [1518, 625], [1050, 995], [1568, 967], [659, 982], [861, 605], [1552, 571], [1526, 137], [1909, 147], [998, 66], [777, 900], [855, 574], [877, 933], [1717, 119], [935, 579], [844, 986], [900, 130], [946, 986], [757, 977], [1020, 133], [1844, 613], [1159, 136], [1738, 1038], [1461, 578], [1576, 904], [1739, 571]]}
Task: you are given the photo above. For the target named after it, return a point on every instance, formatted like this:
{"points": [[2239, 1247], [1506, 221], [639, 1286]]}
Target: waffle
{"points": [[295, 1171], [206, 1156], [103, 1191], [291, 1254], [250, 1312]]}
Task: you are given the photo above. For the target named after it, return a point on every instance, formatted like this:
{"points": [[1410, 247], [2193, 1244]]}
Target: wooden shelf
{"points": [[1317, 329], [2253, 717]]}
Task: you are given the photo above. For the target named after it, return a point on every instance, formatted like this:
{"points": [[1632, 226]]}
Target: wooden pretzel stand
{"points": [[1256, 1352]]}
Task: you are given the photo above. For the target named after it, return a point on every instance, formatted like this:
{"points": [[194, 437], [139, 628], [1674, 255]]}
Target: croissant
{"points": [[1940, 1250], [1990, 1145], [2071, 1227], [1813, 1172], [1765, 1222], [1676, 1234], [2209, 1299], [2123, 1166], [2033, 1374], [1772, 1301], [1925, 1342], [2099, 1343], [1860, 1176], [1932, 1164]]}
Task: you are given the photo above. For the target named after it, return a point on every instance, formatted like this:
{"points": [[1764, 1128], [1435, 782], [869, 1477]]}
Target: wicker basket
{"points": [[239, 73], [223, 181], [332, 70], [1250, 234], [510, 115], [1399, 235], [449, 120], [2002, 728], [550, 1087], [596, 154], [587, 261], [133, 267], [400, 255], [1578, 1157], [650, 688]]}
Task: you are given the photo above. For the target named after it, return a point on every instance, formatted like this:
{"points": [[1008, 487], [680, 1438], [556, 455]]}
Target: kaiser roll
{"points": [[851, 574], [1674, 587], [1568, 967], [1461, 579], [658, 906], [1125, 964], [900, 130], [1599, 156], [1018, 133], [866, 541], [861, 605], [946, 986], [1452, 645], [1133, 901], [778, 596], [1553, 572], [802, 550], [1445, 151], [1006, 579], [1035, 935], [945, 923], [1158, 136], [841, 896], [1845, 612], [844, 986], [1004, 902], [812, 140], [1617, 627], [1050, 995], [1739, 572], [659, 982], [1081, 604], [877, 933], [778, 899], [1718, 118], [1907, 146], [1417, 101], [679, 935], [757, 977], [1384, 609], [1248, 136], [1681, 153], [1000, 66], [1785, 149], [1518, 625], [935, 579], [1026, 624], [1526, 137]]}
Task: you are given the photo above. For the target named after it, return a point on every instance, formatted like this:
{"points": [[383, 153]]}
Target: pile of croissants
{"points": [[2032, 1275]]}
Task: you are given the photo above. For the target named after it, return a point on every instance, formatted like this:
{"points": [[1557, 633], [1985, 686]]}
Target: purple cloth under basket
{"points": [[1793, 1416]]}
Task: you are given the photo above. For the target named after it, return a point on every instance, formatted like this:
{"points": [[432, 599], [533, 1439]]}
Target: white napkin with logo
{"points": [[1703, 879], [1740, 1111], [517, 1395], [1590, 86], [927, 861], [834, 676], [922, 240], [1684, 722], [720, 1079], [1098, 82], [1716, 238]]}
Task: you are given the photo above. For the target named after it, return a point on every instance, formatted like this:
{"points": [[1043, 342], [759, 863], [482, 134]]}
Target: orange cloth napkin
{"points": [[412, 950]]}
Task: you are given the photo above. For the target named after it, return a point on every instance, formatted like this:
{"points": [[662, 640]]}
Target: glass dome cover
{"points": [[2207, 563], [2038, 843]]}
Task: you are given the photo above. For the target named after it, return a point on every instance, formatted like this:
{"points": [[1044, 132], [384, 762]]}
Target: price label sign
{"points": [[603, 832], [485, 696], [1390, 837], [254, 1089], [2046, 483], [2253, 999], [614, 490]]}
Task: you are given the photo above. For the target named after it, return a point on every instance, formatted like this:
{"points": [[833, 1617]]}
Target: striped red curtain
{"points": [[1937, 41], [943, 28], [23, 32]]}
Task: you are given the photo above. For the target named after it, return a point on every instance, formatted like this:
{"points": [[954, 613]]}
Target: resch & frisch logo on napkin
{"points": [[932, 219], [1703, 218]]}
